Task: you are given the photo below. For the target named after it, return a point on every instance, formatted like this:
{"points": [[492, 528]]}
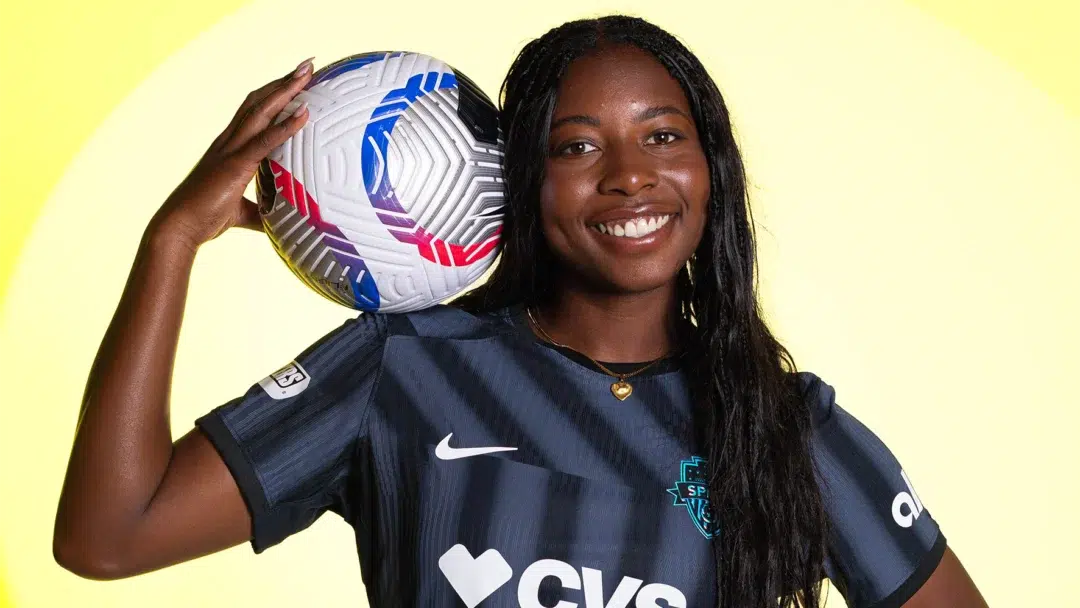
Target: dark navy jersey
{"points": [[481, 467]]}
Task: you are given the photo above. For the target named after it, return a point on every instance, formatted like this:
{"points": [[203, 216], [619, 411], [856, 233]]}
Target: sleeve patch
{"points": [[289, 381]]}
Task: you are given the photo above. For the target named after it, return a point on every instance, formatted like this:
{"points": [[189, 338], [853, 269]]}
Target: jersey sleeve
{"points": [[883, 544], [290, 440]]}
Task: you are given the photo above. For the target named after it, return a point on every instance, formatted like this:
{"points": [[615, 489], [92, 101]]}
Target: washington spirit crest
{"points": [[692, 491]]}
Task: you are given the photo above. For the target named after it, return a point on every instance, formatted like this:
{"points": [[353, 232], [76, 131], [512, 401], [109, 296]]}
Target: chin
{"points": [[612, 265], [630, 279]]}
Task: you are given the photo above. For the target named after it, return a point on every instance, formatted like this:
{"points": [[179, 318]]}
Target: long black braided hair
{"points": [[755, 424]]}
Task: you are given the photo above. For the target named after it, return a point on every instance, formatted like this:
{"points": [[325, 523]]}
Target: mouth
{"points": [[637, 227]]}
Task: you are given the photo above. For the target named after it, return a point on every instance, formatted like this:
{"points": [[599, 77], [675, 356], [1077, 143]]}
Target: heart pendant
{"points": [[621, 390]]}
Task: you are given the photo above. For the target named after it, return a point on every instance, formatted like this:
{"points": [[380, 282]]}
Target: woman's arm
{"points": [[132, 501], [948, 587]]}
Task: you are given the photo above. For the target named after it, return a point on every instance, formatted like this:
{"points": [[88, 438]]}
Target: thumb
{"points": [[249, 216]]}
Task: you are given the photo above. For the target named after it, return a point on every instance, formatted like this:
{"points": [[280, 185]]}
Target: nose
{"points": [[627, 170]]}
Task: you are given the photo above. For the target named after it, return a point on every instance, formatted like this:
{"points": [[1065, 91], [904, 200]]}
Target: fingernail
{"points": [[300, 109], [303, 68]]}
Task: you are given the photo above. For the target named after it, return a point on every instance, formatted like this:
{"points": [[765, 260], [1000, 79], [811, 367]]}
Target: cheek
{"points": [[548, 196], [694, 189], [556, 206], [700, 184], [562, 194], [692, 180]]}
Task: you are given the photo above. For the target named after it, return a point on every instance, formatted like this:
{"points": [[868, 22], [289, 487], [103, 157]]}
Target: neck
{"points": [[614, 328]]}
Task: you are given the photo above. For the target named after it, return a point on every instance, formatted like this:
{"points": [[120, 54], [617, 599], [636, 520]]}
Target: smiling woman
{"points": [[781, 485], [625, 155], [634, 126], [831, 102]]}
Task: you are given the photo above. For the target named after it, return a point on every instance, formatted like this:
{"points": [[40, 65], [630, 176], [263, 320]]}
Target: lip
{"points": [[622, 245], [625, 213]]}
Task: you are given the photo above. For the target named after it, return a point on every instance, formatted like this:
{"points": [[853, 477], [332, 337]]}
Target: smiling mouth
{"points": [[634, 228]]}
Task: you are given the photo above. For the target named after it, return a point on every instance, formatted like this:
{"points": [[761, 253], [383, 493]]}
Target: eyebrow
{"points": [[592, 121], [656, 111], [577, 119]]}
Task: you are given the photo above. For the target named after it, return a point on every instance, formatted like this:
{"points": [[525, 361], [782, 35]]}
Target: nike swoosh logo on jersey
{"points": [[443, 451]]}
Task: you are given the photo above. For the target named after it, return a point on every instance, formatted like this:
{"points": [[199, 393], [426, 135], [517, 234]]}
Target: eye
{"points": [[576, 148], [664, 138]]}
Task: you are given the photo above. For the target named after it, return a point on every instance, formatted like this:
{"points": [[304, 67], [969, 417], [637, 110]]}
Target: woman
{"points": [[606, 422]]}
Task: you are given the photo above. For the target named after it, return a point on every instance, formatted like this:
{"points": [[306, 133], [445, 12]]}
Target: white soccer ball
{"points": [[390, 198]]}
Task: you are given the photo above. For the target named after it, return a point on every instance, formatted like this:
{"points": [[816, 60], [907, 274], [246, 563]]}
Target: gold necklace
{"points": [[620, 388]]}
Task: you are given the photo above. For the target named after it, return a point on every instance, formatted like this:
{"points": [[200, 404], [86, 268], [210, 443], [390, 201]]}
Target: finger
{"points": [[250, 217], [258, 95], [245, 108], [264, 142], [260, 116]]}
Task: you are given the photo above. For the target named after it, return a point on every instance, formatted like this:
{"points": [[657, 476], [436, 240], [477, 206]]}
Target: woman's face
{"points": [[626, 184]]}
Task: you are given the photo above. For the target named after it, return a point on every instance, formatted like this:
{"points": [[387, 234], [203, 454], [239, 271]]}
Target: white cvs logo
{"points": [[907, 499], [475, 579]]}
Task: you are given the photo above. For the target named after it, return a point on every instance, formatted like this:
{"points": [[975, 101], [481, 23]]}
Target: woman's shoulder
{"points": [[446, 321], [826, 415], [369, 332], [819, 396]]}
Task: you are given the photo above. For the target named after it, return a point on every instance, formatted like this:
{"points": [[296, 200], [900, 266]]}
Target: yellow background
{"points": [[915, 167]]}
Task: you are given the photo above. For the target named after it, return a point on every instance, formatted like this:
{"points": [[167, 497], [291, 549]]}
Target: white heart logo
{"points": [[474, 579]]}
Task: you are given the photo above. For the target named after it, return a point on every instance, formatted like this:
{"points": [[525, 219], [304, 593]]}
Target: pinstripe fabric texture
{"points": [[584, 510]]}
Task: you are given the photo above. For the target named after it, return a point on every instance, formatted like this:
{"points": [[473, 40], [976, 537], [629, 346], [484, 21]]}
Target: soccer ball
{"points": [[390, 198]]}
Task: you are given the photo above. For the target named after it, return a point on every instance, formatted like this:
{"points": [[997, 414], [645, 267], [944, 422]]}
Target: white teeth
{"points": [[634, 228]]}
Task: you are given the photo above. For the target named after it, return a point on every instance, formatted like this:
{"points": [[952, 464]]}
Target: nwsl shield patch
{"points": [[692, 492]]}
